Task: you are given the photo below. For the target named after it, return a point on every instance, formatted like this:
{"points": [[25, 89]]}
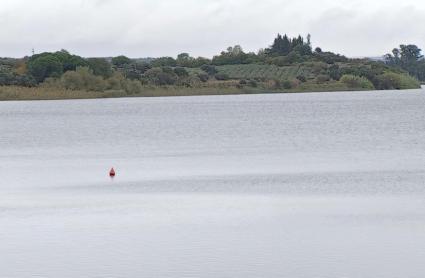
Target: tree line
{"points": [[75, 72], [409, 58]]}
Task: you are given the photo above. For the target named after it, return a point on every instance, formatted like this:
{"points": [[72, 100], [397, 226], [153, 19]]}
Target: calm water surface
{"points": [[295, 185]]}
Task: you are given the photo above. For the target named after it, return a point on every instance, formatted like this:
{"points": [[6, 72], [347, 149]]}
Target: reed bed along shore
{"points": [[41, 93], [11, 93]]}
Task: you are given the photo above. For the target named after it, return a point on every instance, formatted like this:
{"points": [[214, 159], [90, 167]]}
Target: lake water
{"points": [[290, 185]]}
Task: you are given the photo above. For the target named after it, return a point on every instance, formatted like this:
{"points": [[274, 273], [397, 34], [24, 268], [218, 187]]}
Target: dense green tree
{"points": [[161, 76], [100, 66], [410, 53], [135, 70], [68, 61], [234, 55], [181, 72], [45, 65], [164, 62], [408, 58], [121, 61], [184, 60], [283, 45], [8, 77]]}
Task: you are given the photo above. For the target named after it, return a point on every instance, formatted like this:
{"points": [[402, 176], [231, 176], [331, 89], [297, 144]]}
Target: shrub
{"points": [[133, 87], [287, 84], [203, 77], [8, 78], [398, 81], [335, 72], [322, 78], [209, 69], [272, 84], [116, 81], [252, 83], [83, 79], [354, 81], [221, 76], [287, 60], [181, 72], [302, 78], [161, 77], [71, 80], [134, 70]]}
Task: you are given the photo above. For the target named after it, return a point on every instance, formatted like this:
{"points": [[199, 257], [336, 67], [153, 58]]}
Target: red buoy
{"points": [[112, 173]]}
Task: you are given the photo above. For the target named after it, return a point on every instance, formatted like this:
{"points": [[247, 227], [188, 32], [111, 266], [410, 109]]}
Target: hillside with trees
{"points": [[408, 58], [287, 65]]}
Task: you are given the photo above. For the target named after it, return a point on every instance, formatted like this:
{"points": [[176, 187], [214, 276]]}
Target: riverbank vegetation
{"points": [[408, 58], [288, 65]]}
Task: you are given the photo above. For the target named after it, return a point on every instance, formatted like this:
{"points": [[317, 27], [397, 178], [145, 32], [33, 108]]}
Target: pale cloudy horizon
{"points": [[147, 28]]}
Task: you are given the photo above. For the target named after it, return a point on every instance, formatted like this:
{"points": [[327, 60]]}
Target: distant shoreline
{"points": [[28, 94], [288, 65]]}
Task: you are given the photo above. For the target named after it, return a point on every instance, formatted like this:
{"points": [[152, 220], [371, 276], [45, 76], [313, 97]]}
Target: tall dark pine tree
{"points": [[281, 45], [286, 46]]}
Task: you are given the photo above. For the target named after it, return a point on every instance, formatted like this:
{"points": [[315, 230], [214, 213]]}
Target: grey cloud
{"points": [[167, 27], [366, 33]]}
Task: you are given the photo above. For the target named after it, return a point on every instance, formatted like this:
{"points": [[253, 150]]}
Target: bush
{"points": [[181, 72], [161, 76], [318, 67], [116, 81], [291, 58], [133, 87], [287, 84], [191, 81], [210, 70], [252, 83], [335, 72], [273, 84], [71, 80], [203, 77], [302, 78], [322, 78], [8, 78], [83, 79], [222, 76], [397, 81], [354, 81], [134, 71]]}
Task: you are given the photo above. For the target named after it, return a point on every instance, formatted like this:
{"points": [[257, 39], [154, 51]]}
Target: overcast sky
{"points": [[142, 28]]}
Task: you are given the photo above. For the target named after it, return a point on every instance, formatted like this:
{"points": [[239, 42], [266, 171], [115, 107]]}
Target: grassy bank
{"points": [[8, 93]]}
